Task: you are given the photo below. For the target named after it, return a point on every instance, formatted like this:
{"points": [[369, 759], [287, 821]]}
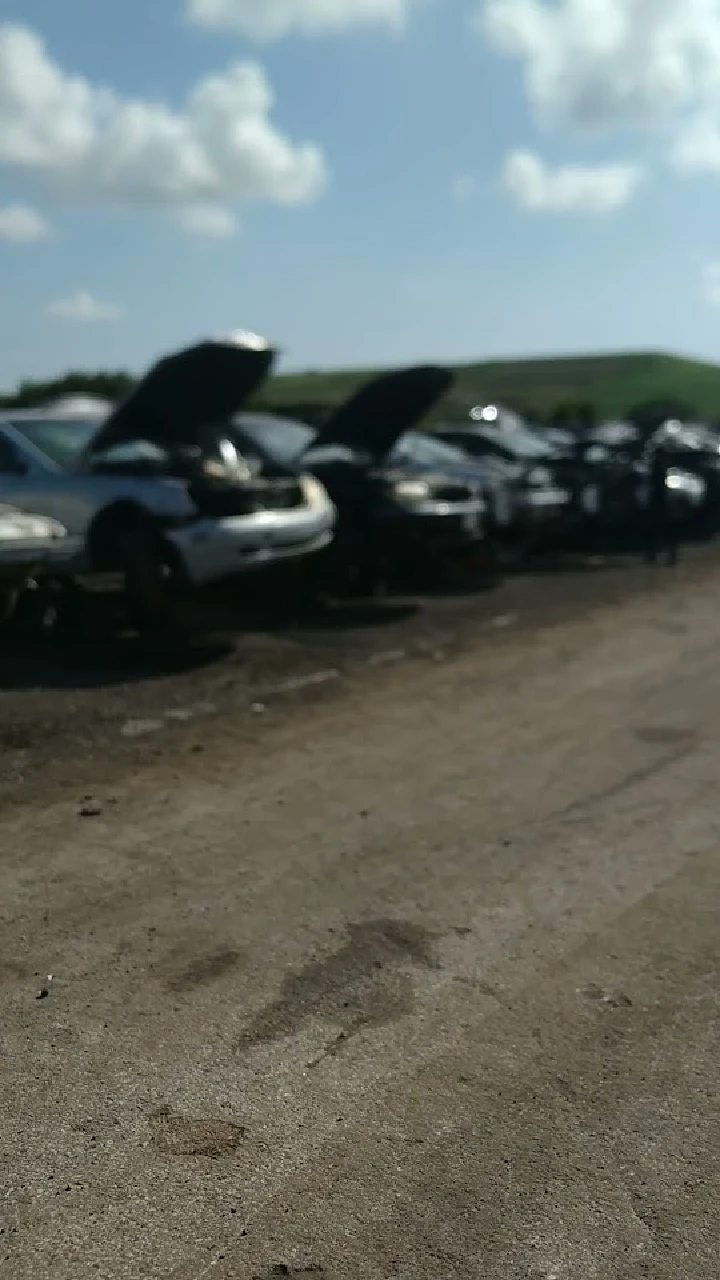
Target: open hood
{"points": [[187, 391], [384, 409]]}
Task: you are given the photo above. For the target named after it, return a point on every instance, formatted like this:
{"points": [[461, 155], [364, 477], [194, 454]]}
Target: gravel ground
{"points": [[413, 974], [78, 701]]}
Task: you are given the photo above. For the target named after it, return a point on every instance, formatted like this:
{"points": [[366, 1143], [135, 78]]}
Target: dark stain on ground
{"points": [[671, 628], [16, 738], [13, 971], [282, 1269], [658, 735], [176, 1135], [681, 746], [606, 999], [361, 985], [204, 969]]}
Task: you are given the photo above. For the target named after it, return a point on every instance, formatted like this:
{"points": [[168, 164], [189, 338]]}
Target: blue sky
{"points": [[458, 185]]}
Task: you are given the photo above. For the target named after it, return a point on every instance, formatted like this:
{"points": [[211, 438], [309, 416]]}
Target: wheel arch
{"points": [[119, 516]]}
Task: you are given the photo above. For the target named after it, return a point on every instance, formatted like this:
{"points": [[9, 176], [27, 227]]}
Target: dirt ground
{"points": [[409, 973]]}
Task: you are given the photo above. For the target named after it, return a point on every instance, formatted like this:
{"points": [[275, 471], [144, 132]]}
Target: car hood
{"points": [[187, 391], [385, 408]]}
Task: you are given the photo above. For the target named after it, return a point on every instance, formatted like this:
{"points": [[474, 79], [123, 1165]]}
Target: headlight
{"points": [[314, 493], [692, 486], [411, 490], [215, 470], [539, 477], [21, 525]]}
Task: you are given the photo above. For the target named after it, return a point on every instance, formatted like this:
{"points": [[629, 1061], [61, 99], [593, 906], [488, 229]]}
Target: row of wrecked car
{"points": [[180, 486]]}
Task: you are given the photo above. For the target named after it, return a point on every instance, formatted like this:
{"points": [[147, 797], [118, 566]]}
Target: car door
{"points": [[13, 474], [27, 484]]}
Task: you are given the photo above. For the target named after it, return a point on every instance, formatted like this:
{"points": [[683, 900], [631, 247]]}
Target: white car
{"points": [[157, 493], [30, 545]]}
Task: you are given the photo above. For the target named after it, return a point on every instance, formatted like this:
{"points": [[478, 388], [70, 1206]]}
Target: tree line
{"points": [[573, 415]]}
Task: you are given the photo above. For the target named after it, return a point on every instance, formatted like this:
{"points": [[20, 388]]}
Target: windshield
{"points": [[426, 451], [62, 441], [282, 439], [518, 440], [696, 437]]}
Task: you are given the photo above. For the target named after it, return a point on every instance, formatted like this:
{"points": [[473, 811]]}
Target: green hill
{"points": [[611, 383]]}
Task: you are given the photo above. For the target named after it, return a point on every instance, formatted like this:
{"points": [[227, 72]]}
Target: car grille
{"points": [[280, 495], [451, 493], [224, 500]]}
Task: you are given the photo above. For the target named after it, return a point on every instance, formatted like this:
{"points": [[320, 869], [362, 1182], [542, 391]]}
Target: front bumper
{"points": [[542, 507], [440, 524], [214, 549], [24, 558]]}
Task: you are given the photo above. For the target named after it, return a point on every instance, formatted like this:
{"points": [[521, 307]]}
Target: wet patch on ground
{"points": [[364, 984], [201, 970], [659, 735], [176, 1135], [605, 999], [280, 1269]]}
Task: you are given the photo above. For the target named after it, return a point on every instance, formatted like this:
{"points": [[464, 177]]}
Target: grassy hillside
{"points": [[612, 383]]}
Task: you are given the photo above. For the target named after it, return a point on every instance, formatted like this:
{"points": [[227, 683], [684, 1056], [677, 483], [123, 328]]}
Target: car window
{"points": [[10, 461], [282, 439], [697, 438], [325, 453], [131, 451], [63, 442], [425, 450], [518, 441]]}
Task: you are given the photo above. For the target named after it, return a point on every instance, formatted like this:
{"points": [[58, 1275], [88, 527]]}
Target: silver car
{"points": [[30, 545], [156, 493]]}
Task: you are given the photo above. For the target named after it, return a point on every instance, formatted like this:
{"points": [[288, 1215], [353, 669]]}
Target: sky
{"points": [[362, 182]]}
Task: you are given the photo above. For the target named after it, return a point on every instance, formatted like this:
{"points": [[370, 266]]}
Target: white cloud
{"points": [[711, 283], [618, 65], [697, 147], [273, 19], [599, 63], [591, 189], [83, 308], [92, 146], [23, 225], [211, 220]]}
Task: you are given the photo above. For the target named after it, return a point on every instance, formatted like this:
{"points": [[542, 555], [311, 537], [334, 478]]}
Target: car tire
{"points": [[9, 597], [354, 569], [152, 584]]}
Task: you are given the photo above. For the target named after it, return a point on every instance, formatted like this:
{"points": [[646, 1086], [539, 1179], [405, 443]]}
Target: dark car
{"points": [[693, 478], [427, 451], [393, 513], [544, 495]]}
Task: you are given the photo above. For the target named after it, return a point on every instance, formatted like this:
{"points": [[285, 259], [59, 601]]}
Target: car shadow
{"points": [[446, 588], [36, 662], [341, 616], [557, 563], [34, 659]]}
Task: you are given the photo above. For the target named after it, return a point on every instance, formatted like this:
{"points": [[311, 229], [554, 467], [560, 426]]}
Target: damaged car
{"points": [[30, 547], [693, 479], [524, 464], [157, 494], [395, 515]]}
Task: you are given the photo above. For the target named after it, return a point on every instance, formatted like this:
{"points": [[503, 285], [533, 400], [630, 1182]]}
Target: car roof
{"points": [[50, 415]]}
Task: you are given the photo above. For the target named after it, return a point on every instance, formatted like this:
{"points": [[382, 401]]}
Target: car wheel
{"points": [[352, 568], [152, 579], [8, 603]]}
